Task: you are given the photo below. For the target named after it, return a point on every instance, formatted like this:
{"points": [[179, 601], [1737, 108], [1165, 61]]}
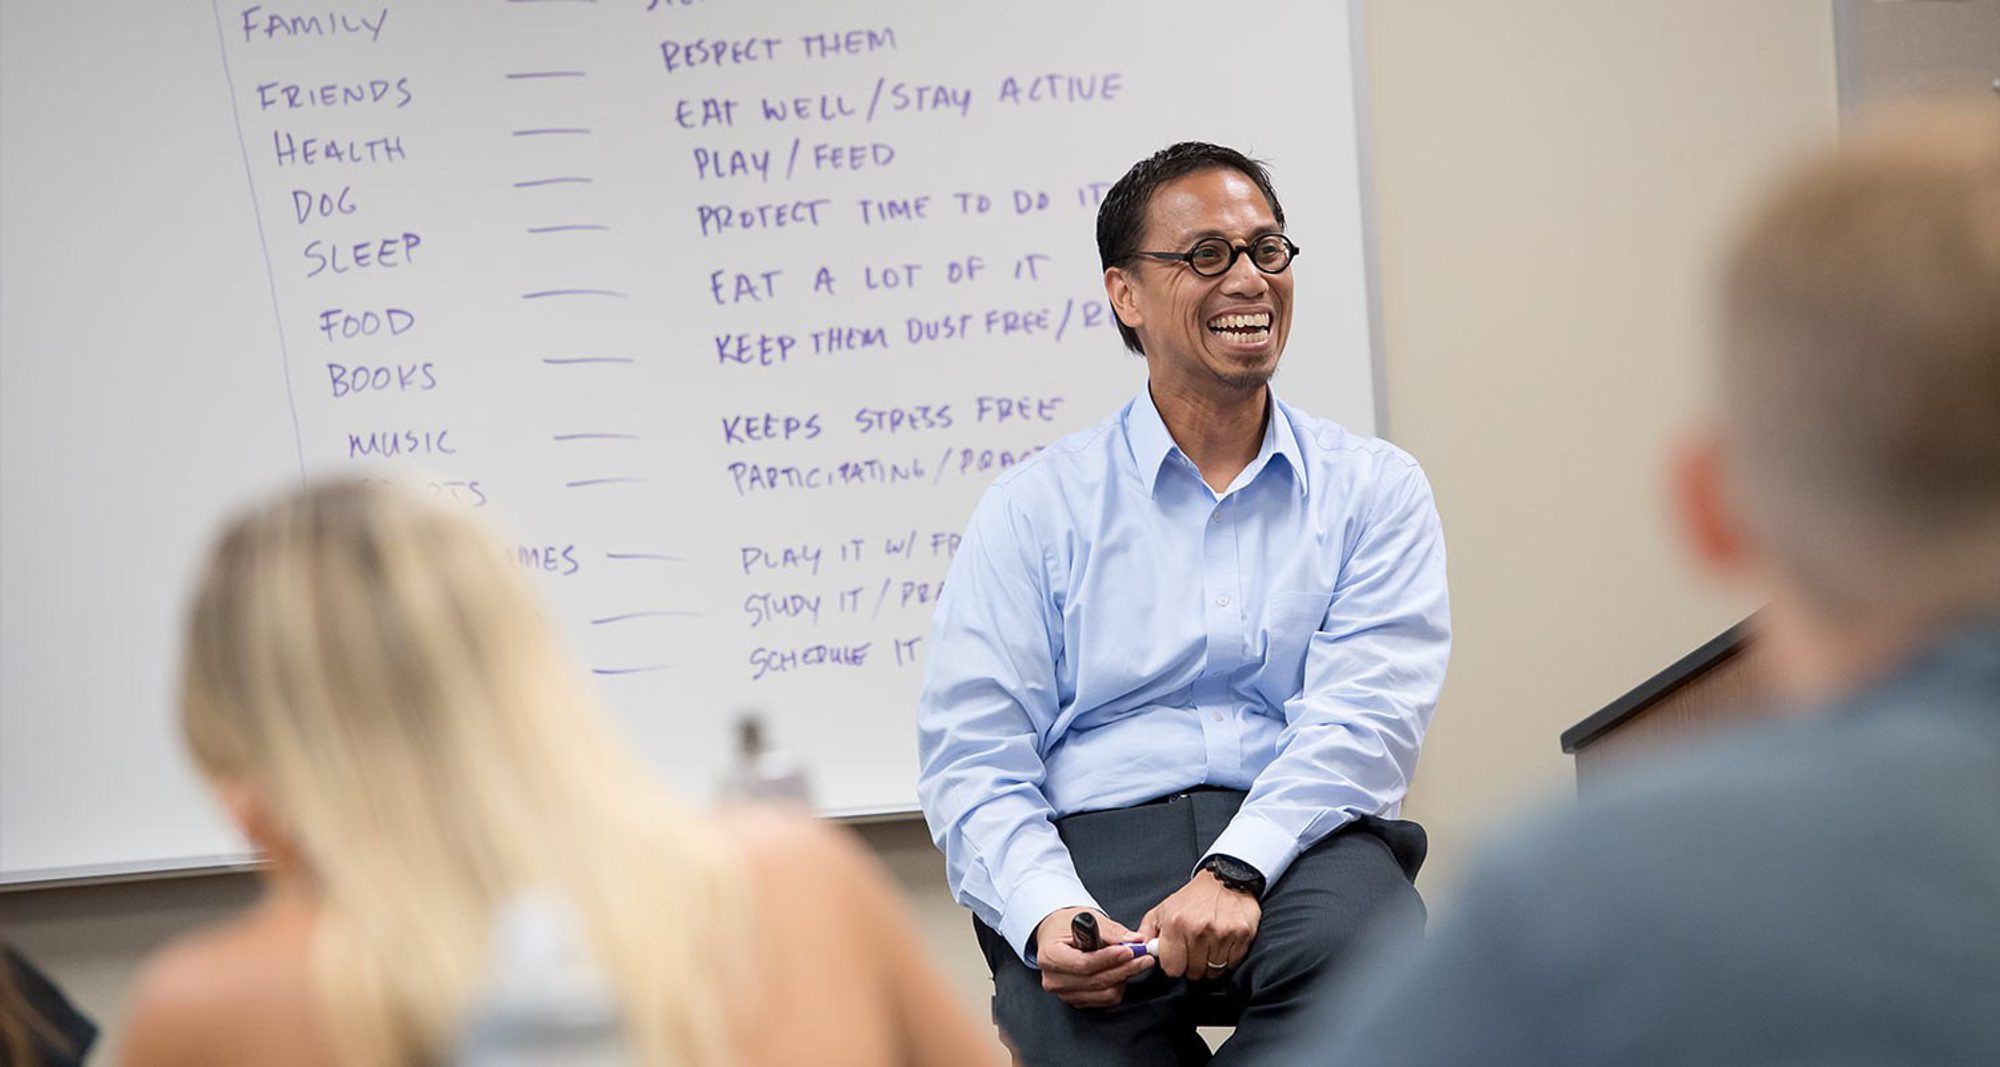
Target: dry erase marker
{"points": [[1083, 931]]}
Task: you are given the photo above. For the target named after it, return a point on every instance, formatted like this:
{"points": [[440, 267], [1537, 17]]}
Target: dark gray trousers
{"points": [[1348, 884]]}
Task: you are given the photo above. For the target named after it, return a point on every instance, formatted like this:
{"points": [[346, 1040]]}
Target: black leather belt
{"points": [[1191, 791]]}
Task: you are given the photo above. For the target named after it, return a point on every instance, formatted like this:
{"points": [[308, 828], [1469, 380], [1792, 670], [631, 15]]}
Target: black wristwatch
{"points": [[1235, 874]]}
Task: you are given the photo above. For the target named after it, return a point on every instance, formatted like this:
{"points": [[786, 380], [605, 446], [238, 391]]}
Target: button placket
{"points": [[1221, 616]]}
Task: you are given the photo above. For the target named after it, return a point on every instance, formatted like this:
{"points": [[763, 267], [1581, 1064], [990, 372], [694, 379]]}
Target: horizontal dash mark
{"points": [[567, 226], [630, 615], [551, 130], [564, 361], [533, 182], [540, 293], [596, 437], [584, 483], [632, 670], [546, 74], [655, 556]]}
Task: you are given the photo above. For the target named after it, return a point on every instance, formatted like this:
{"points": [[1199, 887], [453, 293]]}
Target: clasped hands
{"points": [[1205, 930]]}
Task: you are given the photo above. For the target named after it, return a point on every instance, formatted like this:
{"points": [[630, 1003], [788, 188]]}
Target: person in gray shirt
{"points": [[1823, 888]]}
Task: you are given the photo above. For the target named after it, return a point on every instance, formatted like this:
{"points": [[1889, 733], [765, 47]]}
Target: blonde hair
{"points": [[374, 662], [1861, 368]]}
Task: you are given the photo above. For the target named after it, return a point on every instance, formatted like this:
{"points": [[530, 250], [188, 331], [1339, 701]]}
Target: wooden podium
{"points": [[1721, 681]]}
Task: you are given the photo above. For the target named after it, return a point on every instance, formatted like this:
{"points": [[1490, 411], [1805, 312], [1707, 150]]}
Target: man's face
{"points": [[1215, 336]]}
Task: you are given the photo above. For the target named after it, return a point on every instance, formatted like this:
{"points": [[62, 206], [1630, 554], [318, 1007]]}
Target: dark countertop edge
{"points": [[1722, 646]]}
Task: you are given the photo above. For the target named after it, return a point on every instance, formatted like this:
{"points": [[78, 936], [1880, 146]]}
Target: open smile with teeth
{"points": [[1250, 328]]}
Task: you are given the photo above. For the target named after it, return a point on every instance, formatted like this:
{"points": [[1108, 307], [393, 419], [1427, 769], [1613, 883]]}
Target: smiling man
{"points": [[1183, 663]]}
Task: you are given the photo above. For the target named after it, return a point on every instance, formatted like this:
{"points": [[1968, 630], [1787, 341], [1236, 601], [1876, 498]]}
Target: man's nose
{"points": [[1244, 279]]}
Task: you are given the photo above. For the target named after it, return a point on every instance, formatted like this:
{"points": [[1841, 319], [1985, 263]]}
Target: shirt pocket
{"points": [[1290, 621]]}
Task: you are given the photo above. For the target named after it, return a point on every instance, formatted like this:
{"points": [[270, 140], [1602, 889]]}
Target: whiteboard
{"points": [[726, 311]]}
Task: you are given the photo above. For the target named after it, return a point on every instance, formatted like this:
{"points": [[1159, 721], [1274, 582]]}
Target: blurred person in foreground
{"points": [[1823, 889], [374, 692]]}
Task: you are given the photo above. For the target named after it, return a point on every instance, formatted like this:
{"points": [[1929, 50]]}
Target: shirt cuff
{"points": [[1258, 842], [1032, 901]]}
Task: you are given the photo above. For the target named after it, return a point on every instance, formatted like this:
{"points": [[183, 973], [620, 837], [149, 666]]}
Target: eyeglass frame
{"points": [[1236, 252]]}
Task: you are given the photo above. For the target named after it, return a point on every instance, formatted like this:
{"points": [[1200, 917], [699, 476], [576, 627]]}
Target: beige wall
{"points": [[1552, 179]]}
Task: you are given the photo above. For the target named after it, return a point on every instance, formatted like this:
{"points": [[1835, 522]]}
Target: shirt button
{"points": [[1216, 715], [1222, 601], [1217, 519]]}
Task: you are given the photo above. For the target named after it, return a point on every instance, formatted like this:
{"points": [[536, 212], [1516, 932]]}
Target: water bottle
{"points": [[763, 773]]}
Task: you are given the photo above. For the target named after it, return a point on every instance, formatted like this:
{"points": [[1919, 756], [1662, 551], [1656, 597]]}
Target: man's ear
{"points": [[1124, 301], [1710, 519]]}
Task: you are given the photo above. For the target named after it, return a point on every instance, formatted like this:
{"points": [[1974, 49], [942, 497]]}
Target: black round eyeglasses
{"points": [[1211, 257]]}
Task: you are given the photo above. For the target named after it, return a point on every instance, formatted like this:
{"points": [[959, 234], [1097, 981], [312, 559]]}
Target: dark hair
{"points": [[1121, 218]]}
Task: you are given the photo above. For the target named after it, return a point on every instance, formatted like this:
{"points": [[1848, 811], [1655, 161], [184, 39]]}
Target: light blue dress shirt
{"points": [[1113, 631]]}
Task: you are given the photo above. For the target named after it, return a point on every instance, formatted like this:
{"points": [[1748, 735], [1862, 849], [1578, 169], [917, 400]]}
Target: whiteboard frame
{"points": [[1364, 165]]}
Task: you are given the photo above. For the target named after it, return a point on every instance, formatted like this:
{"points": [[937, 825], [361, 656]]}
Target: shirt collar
{"points": [[1152, 445]]}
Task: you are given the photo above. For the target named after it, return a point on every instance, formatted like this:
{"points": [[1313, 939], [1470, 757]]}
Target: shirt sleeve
{"points": [[989, 697], [1372, 677]]}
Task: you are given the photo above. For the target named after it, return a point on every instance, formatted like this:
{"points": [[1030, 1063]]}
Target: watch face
{"points": [[1233, 873]]}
